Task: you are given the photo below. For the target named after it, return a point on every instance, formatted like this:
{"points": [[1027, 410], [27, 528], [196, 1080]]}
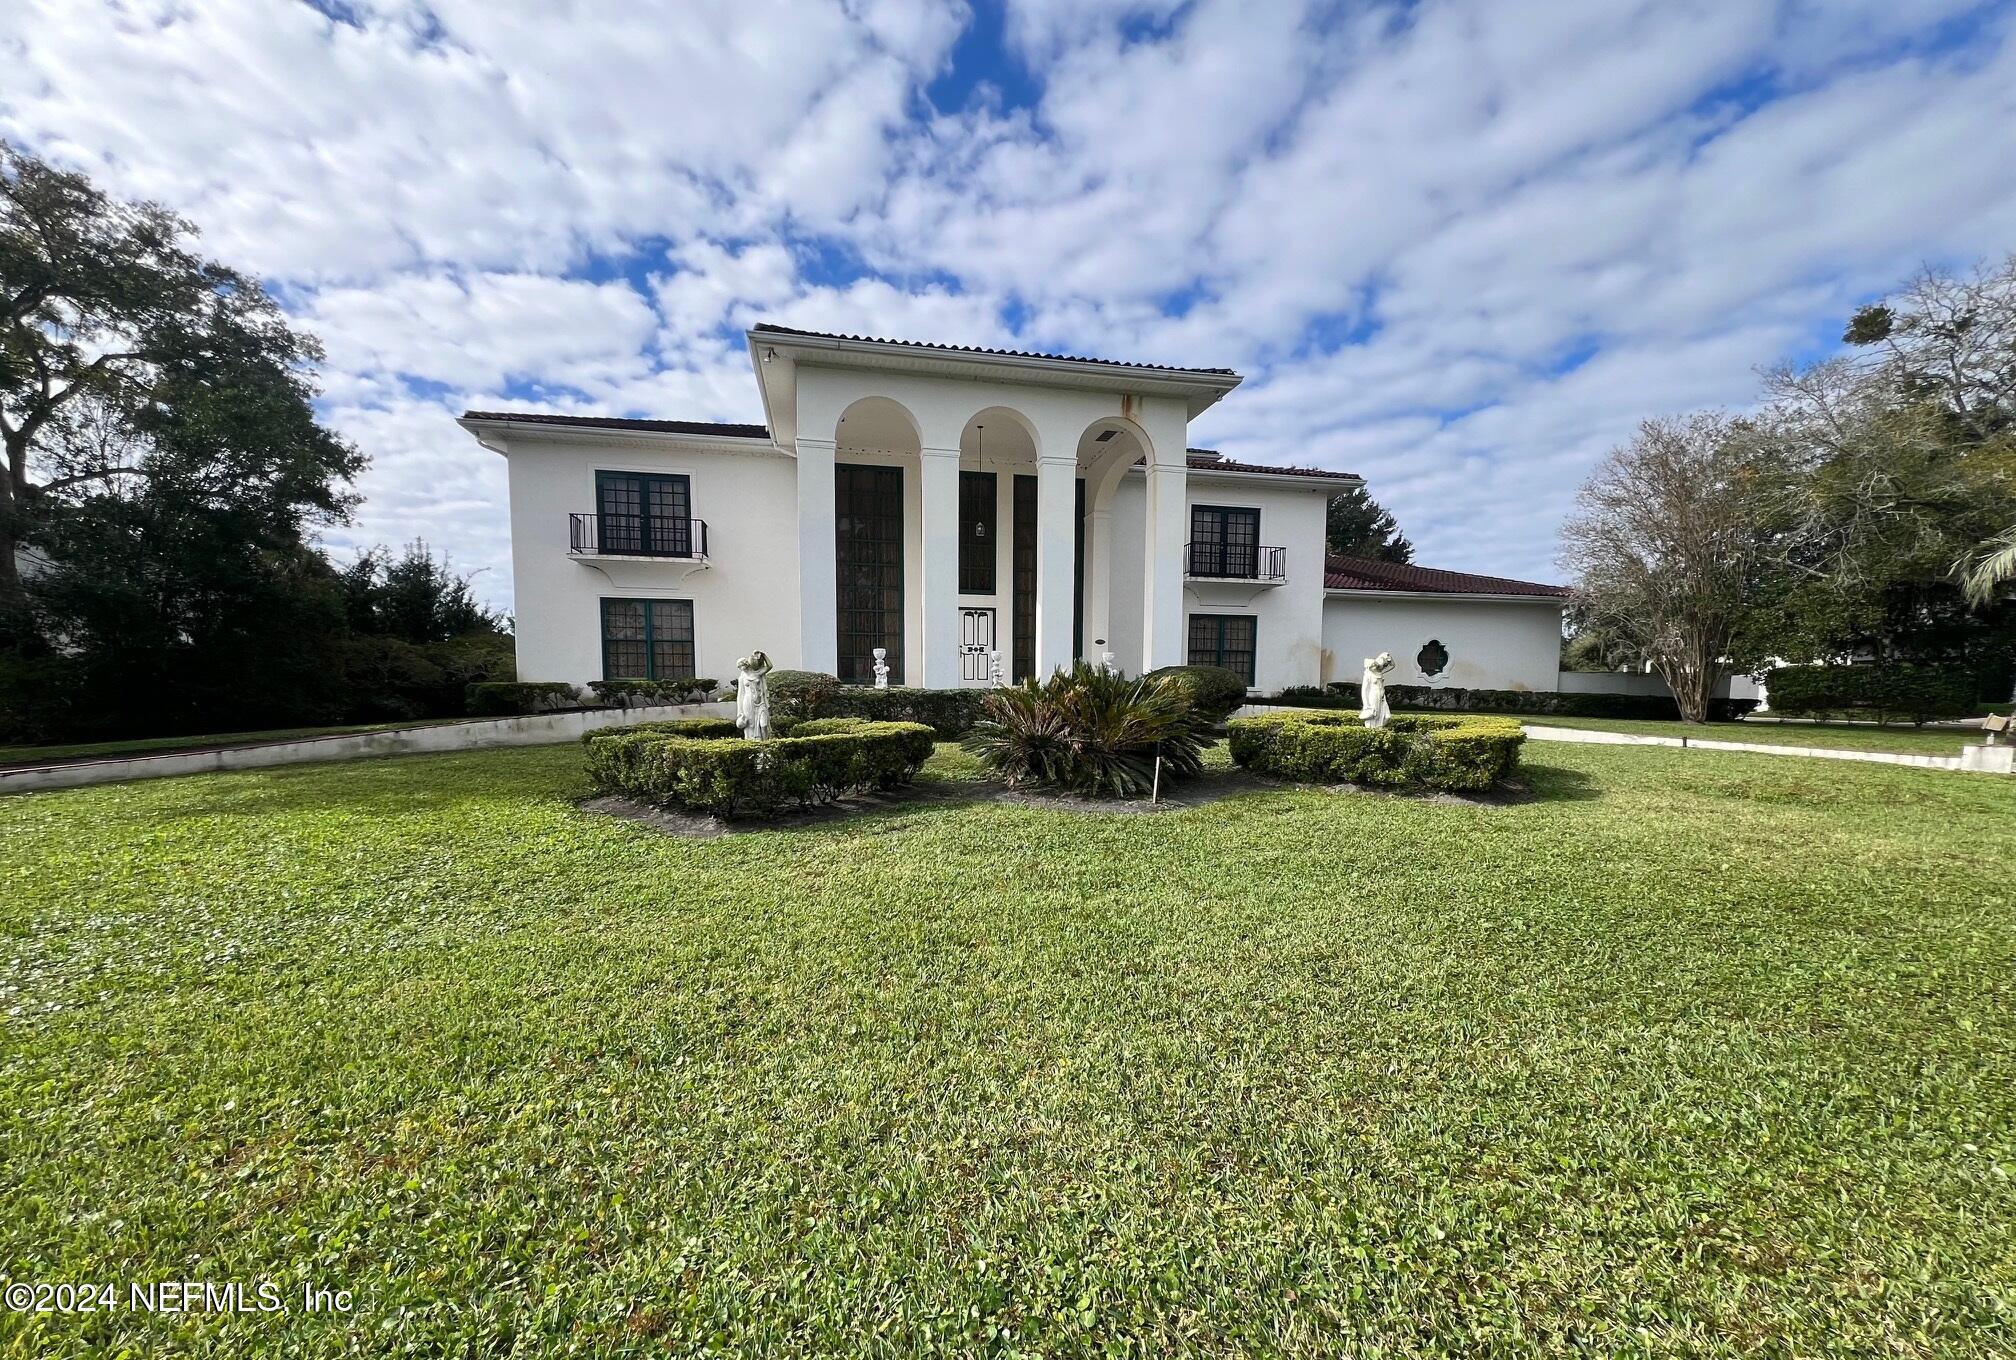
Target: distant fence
{"points": [[543, 729]]}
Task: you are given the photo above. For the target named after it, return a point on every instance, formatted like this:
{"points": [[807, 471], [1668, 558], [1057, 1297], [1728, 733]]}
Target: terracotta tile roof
{"points": [[1360, 573], [769, 328], [1207, 460], [705, 427]]}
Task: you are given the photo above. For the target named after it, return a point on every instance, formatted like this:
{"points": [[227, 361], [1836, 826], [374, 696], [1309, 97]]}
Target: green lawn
{"points": [[1682, 1057], [32, 755], [1837, 736]]}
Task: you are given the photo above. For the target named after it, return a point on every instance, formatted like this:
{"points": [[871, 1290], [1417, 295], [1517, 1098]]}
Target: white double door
{"points": [[976, 641]]}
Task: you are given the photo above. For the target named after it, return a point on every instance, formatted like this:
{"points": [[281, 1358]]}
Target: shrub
{"points": [[1212, 690], [678, 727], [1414, 750], [1342, 694], [642, 693], [950, 713], [798, 695], [824, 727], [705, 769], [500, 698], [1885, 692], [1090, 732]]}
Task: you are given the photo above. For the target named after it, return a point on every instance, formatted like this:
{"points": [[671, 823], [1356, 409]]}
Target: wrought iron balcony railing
{"points": [[636, 536], [1236, 562]]}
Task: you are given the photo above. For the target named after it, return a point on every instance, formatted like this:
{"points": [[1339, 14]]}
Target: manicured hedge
{"points": [[1213, 691], [683, 690], [1450, 699], [1887, 693], [950, 713], [1414, 750], [678, 727], [799, 696], [501, 698], [699, 767]]}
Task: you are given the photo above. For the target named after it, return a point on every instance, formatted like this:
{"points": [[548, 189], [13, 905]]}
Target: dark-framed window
{"points": [[1224, 541], [979, 540], [647, 639], [868, 560], [1224, 640], [1022, 574], [644, 514]]}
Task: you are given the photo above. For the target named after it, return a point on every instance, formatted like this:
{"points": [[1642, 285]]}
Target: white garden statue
{"points": [[995, 675], [1109, 663], [1372, 710], [752, 696], [881, 668]]}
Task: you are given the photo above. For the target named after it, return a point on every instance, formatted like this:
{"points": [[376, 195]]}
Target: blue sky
{"points": [[1460, 248]]}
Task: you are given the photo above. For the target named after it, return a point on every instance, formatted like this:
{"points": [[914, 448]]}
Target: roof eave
{"points": [[496, 435], [1200, 390], [1482, 596], [1334, 485]]}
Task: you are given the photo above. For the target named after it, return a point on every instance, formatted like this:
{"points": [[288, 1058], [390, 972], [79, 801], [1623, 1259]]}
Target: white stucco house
{"points": [[944, 503]]}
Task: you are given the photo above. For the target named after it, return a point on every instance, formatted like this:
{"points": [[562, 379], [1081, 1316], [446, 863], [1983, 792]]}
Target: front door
{"points": [[976, 640]]}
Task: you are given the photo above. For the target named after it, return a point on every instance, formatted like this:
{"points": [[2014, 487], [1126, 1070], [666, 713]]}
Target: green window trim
{"points": [[1228, 640], [646, 639]]}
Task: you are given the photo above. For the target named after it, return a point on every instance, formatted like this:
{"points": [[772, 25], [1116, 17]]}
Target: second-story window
{"points": [[1224, 541], [978, 543], [648, 514]]}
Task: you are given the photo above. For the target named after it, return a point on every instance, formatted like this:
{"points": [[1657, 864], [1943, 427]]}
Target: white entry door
{"points": [[976, 640]]}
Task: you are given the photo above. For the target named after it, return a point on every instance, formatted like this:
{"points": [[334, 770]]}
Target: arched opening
{"points": [[1107, 449], [876, 448], [877, 425], [998, 450]]}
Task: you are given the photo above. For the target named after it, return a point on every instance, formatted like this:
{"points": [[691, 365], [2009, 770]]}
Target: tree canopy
{"points": [[1359, 526], [164, 469]]}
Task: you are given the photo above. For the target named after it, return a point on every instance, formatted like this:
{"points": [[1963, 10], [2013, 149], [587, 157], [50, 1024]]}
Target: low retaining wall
{"points": [[544, 729]]}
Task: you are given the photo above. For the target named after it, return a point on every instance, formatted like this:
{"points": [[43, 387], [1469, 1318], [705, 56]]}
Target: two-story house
{"points": [[944, 504]]}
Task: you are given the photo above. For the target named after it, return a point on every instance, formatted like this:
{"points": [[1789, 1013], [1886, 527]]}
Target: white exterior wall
{"points": [[744, 598], [1493, 644], [1646, 683]]}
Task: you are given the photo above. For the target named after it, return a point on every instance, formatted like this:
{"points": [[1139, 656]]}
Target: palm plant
{"points": [[1090, 732], [1990, 568]]}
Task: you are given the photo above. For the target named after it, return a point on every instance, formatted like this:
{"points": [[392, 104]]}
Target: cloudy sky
{"points": [[1460, 248]]}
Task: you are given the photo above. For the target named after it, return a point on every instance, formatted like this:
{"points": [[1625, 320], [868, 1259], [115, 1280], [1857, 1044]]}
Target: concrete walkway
{"points": [[1535, 732], [542, 729]]}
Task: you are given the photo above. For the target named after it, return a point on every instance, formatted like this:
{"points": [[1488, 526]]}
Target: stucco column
{"points": [[1162, 637], [939, 532], [1056, 575], [1098, 580], [818, 578]]}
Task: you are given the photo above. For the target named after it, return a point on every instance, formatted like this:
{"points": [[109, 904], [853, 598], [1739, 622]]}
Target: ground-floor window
{"points": [[1224, 640], [868, 557], [647, 639]]}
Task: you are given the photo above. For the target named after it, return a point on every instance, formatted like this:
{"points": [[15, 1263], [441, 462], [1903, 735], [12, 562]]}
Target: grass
{"points": [[1680, 1057], [1836, 736], [36, 755]]}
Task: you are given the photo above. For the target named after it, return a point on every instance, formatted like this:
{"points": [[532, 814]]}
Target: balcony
{"points": [[1237, 562], [637, 536]]}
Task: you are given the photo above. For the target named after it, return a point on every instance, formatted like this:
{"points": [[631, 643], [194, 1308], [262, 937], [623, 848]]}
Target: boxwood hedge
{"points": [[1414, 750], [1893, 692], [696, 765]]}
